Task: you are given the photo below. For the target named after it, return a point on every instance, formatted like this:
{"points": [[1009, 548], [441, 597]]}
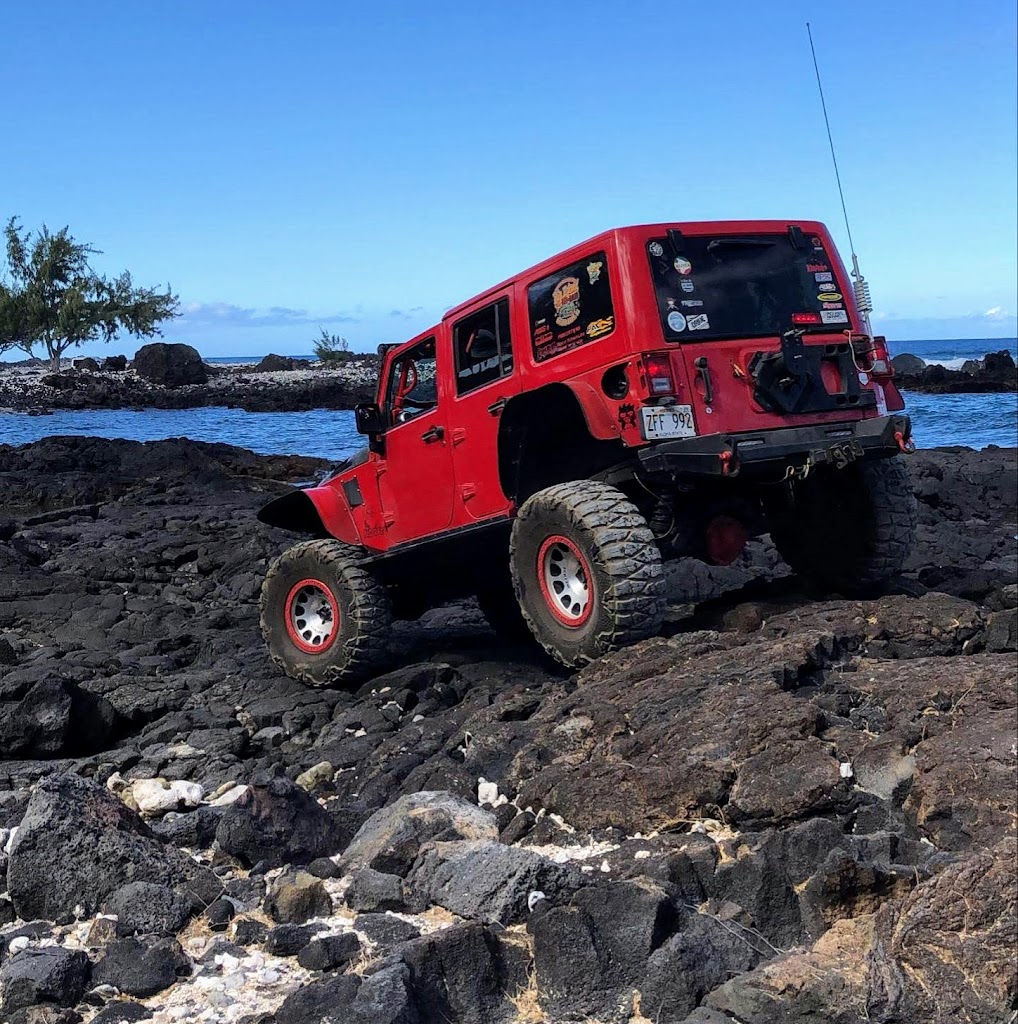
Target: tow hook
{"points": [[726, 463], [907, 447]]}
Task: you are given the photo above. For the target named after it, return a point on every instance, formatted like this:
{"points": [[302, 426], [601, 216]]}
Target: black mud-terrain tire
{"points": [[355, 603], [597, 529], [848, 529]]}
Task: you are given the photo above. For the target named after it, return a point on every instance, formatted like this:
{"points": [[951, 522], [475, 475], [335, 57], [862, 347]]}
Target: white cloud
{"points": [[225, 314]]}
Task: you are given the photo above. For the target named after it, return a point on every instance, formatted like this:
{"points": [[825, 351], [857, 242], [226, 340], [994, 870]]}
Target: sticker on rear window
{"points": [[698, 322], [834, 316], [687, 286], [682, 265], [656, 249], [676, 321], [823, 276], [829, 296]]}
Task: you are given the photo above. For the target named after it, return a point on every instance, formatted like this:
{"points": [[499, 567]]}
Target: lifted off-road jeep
{"points": [[656, 392]]}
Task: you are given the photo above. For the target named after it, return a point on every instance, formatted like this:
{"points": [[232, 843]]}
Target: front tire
{"points": [[324, 616], [848, 529], [586, 571]]}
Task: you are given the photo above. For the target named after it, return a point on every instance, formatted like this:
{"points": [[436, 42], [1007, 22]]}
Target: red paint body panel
{"points": [[439, 471]]}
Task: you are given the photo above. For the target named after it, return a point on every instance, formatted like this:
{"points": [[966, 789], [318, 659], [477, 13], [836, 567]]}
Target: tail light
{"points": [[659, 373], [806, 318], [882, 366]]}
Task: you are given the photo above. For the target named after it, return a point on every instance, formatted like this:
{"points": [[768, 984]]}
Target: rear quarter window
{"points": [[571, 307]]}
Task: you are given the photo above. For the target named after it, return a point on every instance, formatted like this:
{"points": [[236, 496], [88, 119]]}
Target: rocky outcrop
{"points": [[791, 806], [169, 365], [995, 372]]}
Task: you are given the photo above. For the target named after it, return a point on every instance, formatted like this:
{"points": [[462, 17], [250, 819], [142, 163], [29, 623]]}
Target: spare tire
{"points": [[847, 529]]}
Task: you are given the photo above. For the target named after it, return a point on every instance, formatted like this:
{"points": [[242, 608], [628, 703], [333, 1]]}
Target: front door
{"points": [[415, 478]]}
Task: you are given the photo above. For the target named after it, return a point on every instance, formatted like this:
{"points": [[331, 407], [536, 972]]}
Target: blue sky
{"points": [[365, 166]]}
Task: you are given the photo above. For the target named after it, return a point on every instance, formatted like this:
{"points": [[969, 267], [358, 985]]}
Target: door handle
{"points": [[704, 374], [433, 435], [497, 406]]}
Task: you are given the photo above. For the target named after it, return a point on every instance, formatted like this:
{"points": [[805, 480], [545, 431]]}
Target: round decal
{"points": [[656, 249], [829, 296], [682, 265], [566, 299], [676, 321]]}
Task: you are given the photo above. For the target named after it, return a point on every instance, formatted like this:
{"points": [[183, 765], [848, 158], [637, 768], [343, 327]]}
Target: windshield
{"points": [[743, 286]]}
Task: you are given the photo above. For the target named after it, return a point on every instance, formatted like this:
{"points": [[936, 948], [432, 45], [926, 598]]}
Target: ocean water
{"points": [[972, 420]]}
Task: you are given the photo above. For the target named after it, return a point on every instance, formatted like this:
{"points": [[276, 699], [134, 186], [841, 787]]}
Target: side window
{"points": [[412, 387], [571, 307], [483, 350]]}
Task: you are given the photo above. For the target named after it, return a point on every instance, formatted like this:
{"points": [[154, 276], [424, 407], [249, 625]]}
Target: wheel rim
{"points": [[312, 616], [565, 580]]}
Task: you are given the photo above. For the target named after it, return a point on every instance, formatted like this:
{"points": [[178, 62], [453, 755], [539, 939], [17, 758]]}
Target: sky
{"points": [[362, 167]]}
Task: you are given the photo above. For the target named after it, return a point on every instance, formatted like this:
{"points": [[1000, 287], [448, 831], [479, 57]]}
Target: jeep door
{"points": [[415, 478], [485, 379]]}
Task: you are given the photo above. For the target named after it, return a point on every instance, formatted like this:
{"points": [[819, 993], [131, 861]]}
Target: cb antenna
{"points": [[859, 285]]}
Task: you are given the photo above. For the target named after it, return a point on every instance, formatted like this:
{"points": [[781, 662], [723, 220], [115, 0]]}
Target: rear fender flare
{"points": [[319, 511]]}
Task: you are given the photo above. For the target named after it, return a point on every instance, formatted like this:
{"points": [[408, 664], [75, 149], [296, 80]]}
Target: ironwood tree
{"points": [[50, 296]]}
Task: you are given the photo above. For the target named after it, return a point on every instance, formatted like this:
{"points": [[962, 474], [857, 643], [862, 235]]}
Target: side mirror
{"points": [[368, 418]]}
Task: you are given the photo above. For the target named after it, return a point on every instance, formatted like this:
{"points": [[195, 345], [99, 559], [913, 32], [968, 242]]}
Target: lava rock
{"points": [[140, 969], [390, 839], [330, 952], [372, 890], [48, 975], [906, 363], [56, 717], [170, 365], [123, 1011], [288, 939], [78, 844], [277, 823], [220, 914], [386, 930], [590, 955], [487, 881], [296, 897], [114, 364], [149, 908], [248, 932]]}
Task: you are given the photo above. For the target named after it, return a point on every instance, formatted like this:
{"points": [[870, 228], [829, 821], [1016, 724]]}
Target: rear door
{"points": [[485, 378], [415, 479]]}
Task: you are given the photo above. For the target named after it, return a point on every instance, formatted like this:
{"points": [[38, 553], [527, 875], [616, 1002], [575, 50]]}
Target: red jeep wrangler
{"points": [[655, 392]]}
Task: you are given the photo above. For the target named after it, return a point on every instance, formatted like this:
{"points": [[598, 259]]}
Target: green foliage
{"points": [[331, 348], [51, 296]]}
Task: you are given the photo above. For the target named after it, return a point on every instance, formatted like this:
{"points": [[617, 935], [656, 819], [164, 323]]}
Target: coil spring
{"points": [[862, 295]]}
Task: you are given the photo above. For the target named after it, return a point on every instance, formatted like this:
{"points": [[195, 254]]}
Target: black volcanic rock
{"points": [[170, 365], [78, 844]]}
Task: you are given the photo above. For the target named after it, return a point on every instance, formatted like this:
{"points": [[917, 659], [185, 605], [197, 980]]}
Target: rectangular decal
{"points": [[834, 316], [698, 322]]}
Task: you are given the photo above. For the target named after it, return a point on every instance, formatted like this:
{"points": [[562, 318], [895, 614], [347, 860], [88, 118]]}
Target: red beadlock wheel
{"points": [[312, 616], [566, 581]]}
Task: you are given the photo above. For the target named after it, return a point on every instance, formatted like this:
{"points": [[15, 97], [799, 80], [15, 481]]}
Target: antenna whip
{"points": [[859, 285]]}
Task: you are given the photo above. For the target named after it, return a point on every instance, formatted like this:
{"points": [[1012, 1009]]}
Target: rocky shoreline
{"points": [[793, 807], [277, 384], [175, 377]]}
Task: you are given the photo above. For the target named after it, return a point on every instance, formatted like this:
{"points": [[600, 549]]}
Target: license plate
{"points": [[666, 421]]}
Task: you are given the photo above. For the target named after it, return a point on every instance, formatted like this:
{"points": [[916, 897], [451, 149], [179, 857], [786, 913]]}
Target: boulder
{"points": [[330, 952], [908, 364], [114, 364], [273, 363], [122, 1011], [277, 823], [383, 997], [288, 939], [486, 881], [170, 365], [372, 890], [296, 897], [48, 975], [138, 968], [56, 718], [149, 908], [391, 838], [78, 844], [591, 955], [385, 929], [84, 363]]}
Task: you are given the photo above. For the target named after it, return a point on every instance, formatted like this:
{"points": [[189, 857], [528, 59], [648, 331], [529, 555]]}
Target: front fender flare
{"points": [[319, 511]]}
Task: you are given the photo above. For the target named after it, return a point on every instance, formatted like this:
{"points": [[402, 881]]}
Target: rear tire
{"points": [[586, 571], [324, 616], [847, 529]]}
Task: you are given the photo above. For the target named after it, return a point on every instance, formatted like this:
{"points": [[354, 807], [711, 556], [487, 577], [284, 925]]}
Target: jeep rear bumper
{"points": [[763, 450]]}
